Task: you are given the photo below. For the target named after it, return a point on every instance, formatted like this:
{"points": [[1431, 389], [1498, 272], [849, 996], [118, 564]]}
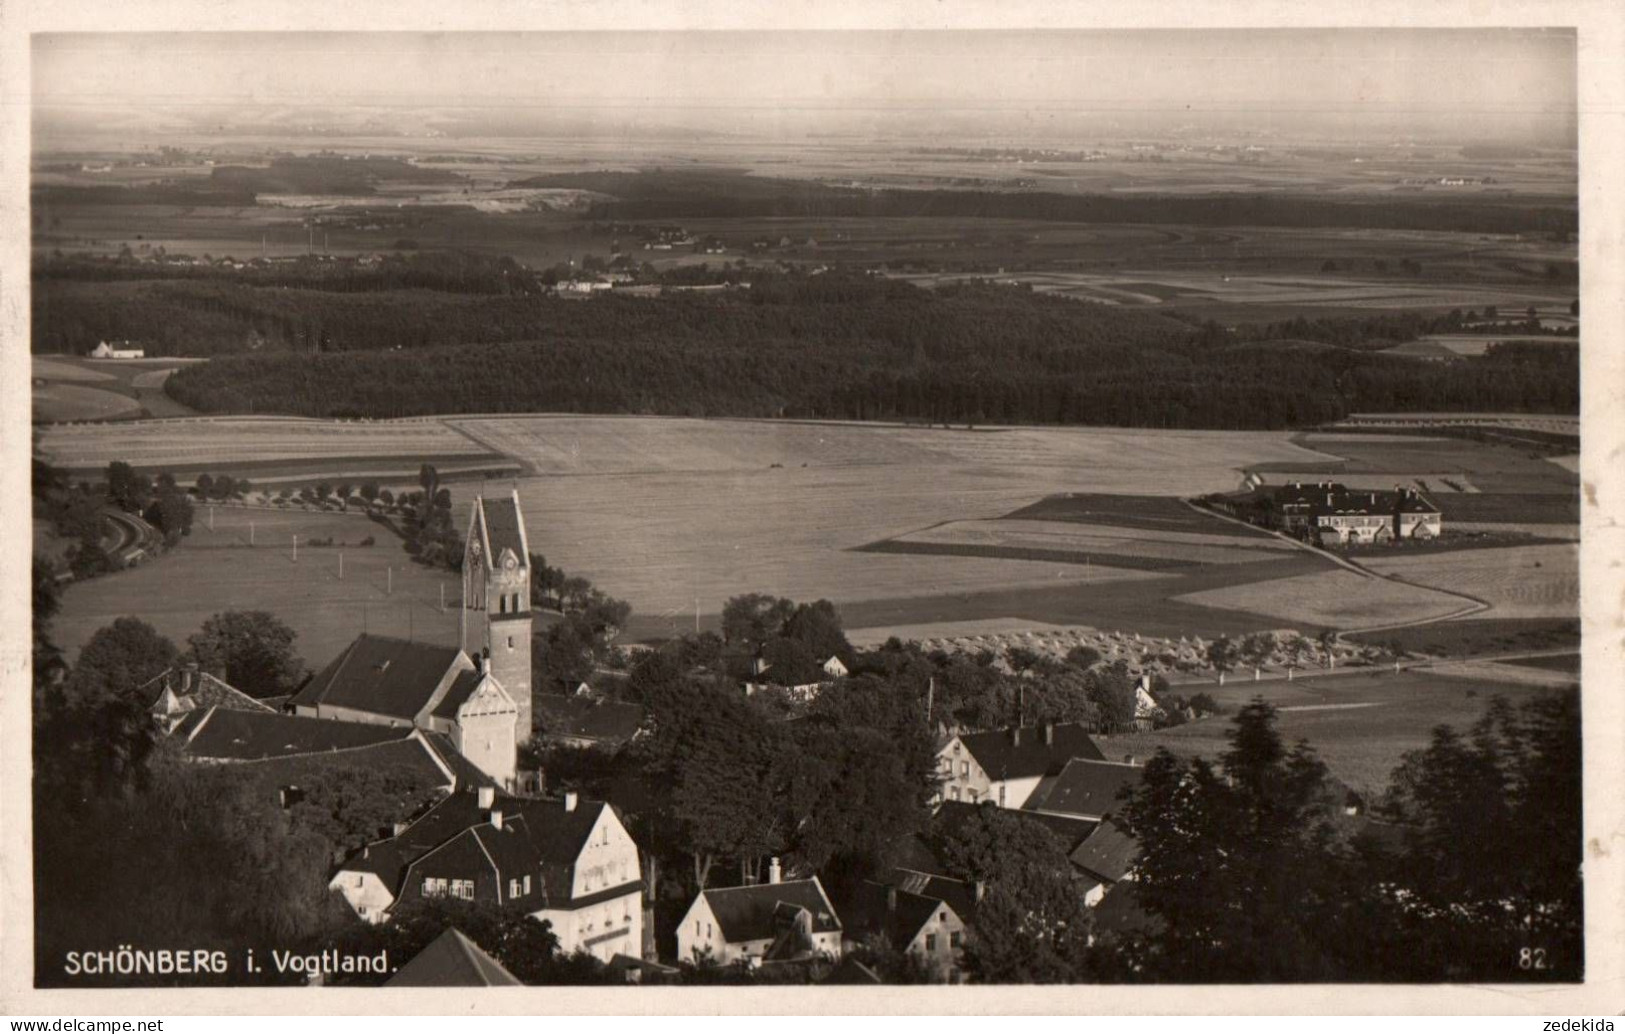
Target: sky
{"points": [[1485, 82]]}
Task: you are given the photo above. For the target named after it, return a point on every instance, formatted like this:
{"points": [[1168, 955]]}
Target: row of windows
{"points": [[519, 888], [931, 941], [437, 887], [508, 603]]}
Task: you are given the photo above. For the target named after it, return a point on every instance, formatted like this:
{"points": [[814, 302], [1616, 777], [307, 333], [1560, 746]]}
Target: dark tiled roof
{"points": [[537, 835], [401, 756], [1002, 757], [1069, 832], [747, 913], [1120, 912], [1085, 788], [462, 687], [583, 717], [503, 528], [1335, 498], [893, 912], [1107, 854], [202, 689], [468, 774], [380, 675], [452, 960], [960, 896], [227, 735]]}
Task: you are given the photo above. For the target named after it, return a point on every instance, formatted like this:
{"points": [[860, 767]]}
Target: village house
{"points": [[585, 720], [1093, 791], [478, 696], [1086, 788], [777, 921], [564, 860], [928, 928], [1005, 765]]}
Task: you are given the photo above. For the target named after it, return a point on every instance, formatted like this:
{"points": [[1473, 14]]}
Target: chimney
{"points": [[1015, 735], [774, 874], [891, 899], [570, 800], [1128, 759], [1049, 734], [487, 796], [496, 818], [978, 890], [479, 662], [397, 828]]}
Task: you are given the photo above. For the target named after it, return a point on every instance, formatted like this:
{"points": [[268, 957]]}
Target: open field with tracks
{"points": [[1360, 725], [1517, 581]]}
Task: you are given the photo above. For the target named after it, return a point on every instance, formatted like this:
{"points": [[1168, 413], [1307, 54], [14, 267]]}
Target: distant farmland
{"points": [[1073, 526], [1360, 725]]}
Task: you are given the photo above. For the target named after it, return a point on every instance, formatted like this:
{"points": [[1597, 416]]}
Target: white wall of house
{"points": [[603, 930], [365, 892], [938, 943], [609, 858]]}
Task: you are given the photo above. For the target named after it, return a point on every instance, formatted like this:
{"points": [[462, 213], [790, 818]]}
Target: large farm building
{"points": [[1332, 514]]}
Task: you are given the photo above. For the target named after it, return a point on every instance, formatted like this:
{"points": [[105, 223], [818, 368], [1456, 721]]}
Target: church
{"points": [[476, 694]]}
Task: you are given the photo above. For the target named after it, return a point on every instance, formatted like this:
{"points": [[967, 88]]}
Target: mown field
{"points": [[72, 388], [1517, 581], [245, 445], [1360, 725], [382, 590]]}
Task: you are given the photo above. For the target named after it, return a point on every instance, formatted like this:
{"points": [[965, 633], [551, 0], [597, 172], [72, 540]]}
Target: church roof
{"points": [[381, 675]]}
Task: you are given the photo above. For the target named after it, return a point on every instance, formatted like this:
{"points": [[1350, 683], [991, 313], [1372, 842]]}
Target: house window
{"points": [[360, 880], [953, 940], [709, 932], [970, 795], [513, 888], [502, 604], [964, 770], [434, 887], [463, 889], [527, 884], [942, 917], [696, 928], [362, 911], [510, 642], [930, 942], [953, 792]]}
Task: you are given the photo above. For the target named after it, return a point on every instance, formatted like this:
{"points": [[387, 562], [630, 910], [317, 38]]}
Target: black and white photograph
{"points": [[668, 507]]}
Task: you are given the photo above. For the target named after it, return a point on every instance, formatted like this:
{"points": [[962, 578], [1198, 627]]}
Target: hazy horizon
{"points": [[1043, 87]]}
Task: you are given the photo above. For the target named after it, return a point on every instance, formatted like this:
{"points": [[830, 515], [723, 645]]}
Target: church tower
{"points": [[496, 597]]}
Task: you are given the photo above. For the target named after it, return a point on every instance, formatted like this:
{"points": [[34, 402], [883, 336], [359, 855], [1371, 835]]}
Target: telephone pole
{"points": [[296, 549]]}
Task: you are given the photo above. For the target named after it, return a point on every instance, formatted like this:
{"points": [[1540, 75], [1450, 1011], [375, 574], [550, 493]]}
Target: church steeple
{"points": [[496, 597]]}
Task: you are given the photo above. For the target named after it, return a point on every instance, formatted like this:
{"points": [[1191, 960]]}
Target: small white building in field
{"points": [[117, 350]]}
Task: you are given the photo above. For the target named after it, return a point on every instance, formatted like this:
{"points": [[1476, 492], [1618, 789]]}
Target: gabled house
{"points": [[777, 921], [586, 721], [452, 960], [1106, 857], [1086, 789], [1006, 765], [889, 915], [567, 861]]}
